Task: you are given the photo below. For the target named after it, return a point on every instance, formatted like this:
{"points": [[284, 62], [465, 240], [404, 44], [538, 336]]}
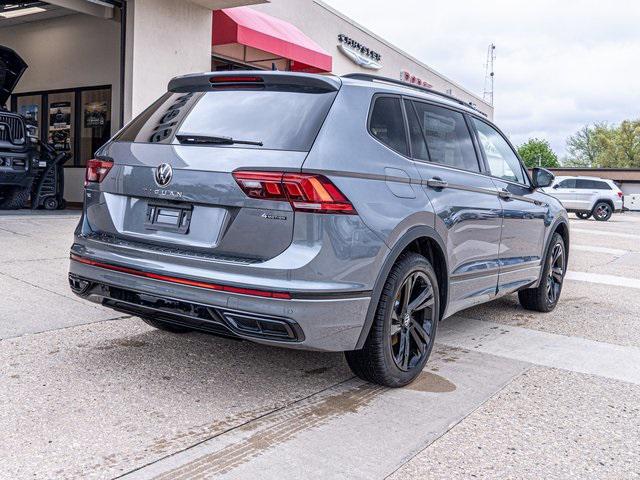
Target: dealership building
{"points": [[95, 64]]}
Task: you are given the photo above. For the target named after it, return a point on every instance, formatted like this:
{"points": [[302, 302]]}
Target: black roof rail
{"points": [[371, 78]]}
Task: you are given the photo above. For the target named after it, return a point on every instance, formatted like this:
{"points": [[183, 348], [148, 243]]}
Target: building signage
{"points": [[408, 77], [358, 53]]}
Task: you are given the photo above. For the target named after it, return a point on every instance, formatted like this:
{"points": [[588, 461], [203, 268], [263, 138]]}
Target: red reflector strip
{"points": [[182, 281]]}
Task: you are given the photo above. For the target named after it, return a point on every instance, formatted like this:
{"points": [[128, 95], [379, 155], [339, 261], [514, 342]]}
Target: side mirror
{"points": [[542, 177]]}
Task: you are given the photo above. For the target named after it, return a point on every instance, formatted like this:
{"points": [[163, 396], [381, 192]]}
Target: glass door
{"points": [[95, 124], [60, 125]]}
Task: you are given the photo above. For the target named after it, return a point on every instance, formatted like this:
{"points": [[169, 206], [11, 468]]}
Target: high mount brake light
{"points": [[236, 79], [305, 192], [97, 170]]}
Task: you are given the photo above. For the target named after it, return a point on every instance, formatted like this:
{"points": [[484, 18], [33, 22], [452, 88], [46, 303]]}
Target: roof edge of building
{"points": [[365, 30]]}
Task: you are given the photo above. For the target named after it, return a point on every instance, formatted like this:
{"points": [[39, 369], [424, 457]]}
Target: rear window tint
{"points": [[448, 138], [280, 119], [387, 124], [570, 183], [592, 185]]}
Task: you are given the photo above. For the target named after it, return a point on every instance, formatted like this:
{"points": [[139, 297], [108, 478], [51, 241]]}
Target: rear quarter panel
{"points": [[383, 185]]}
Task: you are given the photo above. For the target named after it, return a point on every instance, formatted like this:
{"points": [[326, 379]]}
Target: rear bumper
{"points": [[311, 321]]}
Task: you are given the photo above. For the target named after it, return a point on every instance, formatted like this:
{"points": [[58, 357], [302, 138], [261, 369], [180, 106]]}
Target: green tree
{"points": [[583, 147], [538, 153], [620, 146], [605, 145]]}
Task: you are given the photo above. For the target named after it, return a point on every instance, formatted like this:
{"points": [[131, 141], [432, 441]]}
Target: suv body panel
{"points": [[581, 194], [332, 265]]}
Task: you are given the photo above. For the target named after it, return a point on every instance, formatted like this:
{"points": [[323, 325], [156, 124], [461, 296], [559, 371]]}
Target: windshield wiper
{"points": [[214, 140]]}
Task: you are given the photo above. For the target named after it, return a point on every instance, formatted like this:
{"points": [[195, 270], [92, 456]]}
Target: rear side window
{"points": [[387, 124], [418, 145], [570, 183], [447, 137], [279, 119], [592, 185]]}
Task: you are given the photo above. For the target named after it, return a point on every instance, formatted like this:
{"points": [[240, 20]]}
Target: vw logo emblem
{"points": [[164, 174]]}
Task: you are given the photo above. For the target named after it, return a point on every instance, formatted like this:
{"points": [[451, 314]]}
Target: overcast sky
{"points": [[559, 64]]}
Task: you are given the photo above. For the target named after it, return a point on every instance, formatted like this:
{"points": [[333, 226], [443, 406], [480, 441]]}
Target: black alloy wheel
{"points": [[556, 273], [403, 331], [412, 321], [544, 297]]}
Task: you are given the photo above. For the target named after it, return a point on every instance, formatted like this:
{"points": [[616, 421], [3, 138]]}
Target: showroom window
{"points": [[75, 120]]}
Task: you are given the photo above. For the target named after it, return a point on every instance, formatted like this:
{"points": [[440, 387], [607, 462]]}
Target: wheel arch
{"points": [[560, 226], [420, 239], [603, 200]]}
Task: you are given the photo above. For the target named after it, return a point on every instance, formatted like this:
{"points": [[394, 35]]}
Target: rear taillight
{"points": [[96, 171], [620, 194], [305, 192]]}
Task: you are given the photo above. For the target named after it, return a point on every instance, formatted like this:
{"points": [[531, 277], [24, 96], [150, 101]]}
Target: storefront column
{"points": [[164, 38]]}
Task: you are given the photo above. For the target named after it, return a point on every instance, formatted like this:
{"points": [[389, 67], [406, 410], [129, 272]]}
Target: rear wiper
{"points": [[214, 140]]}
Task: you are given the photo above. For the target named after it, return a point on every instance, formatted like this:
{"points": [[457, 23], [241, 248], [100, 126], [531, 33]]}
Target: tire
{"points": [[602, 211], [51, 203], [383, 360], [545, 297], [167, 327], [583, 215], [14, 198]]}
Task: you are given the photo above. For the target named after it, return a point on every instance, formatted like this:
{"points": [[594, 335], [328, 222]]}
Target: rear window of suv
{"points": [[279, 119], [592, 185]]}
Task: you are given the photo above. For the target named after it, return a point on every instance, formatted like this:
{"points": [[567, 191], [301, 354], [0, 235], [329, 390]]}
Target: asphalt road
{"points": [[89, 393]]}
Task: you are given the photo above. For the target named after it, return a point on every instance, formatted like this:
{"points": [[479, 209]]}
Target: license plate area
{"points": [[168, 218]]}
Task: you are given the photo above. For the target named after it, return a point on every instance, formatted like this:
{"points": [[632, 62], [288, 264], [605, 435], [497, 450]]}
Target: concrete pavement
{"points": [[89, 393]]}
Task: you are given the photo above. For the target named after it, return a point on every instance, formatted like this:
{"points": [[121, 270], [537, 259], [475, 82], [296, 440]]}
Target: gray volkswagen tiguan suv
{"points": [[316, 212]]}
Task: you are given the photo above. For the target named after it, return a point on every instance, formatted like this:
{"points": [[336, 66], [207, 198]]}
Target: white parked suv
{"points": [[587, 196]]}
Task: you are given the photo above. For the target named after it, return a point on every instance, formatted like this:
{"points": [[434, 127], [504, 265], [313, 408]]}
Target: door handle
{"points": [[505, 194], [437, 182]]}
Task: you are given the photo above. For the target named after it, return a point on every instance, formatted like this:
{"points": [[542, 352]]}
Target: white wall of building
{"points": [[323, 24], [68, 52], [165, 38]]}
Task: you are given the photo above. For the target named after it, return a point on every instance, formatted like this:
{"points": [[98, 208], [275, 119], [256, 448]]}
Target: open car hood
{"points": [[11, 69]]}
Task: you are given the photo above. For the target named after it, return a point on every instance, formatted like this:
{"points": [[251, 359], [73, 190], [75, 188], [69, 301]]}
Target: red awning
{"points": [[245, 26]]}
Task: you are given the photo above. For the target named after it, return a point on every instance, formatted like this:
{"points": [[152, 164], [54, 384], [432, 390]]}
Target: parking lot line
{"points": [[605, 233], [594, 249], [541, 348], [613, 280]]}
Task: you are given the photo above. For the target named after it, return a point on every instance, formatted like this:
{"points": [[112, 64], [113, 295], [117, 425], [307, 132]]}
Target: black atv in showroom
{"points": [[18, 161]]}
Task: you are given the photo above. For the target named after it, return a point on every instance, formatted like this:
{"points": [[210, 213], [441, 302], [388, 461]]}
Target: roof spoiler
{"points": [[253, 78]]}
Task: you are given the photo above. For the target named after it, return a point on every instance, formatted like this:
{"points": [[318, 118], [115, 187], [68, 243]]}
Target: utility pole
{"points": [[487, 96]]}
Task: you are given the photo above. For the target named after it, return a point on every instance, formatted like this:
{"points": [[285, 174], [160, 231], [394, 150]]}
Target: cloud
{"points": [[559, 65]]}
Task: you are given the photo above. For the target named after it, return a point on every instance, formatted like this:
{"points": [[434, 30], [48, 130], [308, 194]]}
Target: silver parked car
{"points": [[316, 212], [588, 196]]}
